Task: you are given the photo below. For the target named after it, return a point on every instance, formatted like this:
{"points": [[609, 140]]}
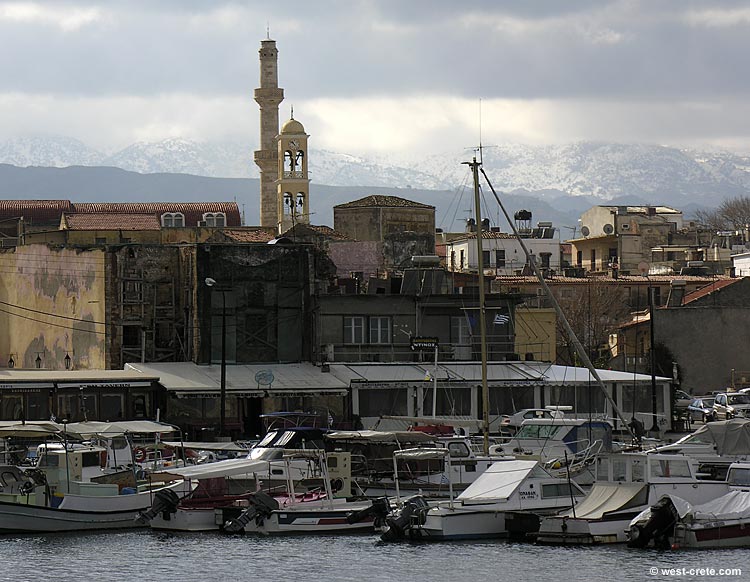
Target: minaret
{"points": [[293, 189], [268, 96]]}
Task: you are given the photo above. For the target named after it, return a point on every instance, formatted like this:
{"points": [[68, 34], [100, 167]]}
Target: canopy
{"points": [[421, 454], [733, 505], [30, 430], [732, 437], [200, 446], [498, 482], [111, 429], [226, 468], [381, 436], [606, 497]]}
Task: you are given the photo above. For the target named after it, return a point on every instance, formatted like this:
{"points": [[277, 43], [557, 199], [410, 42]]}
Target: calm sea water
{"points": [[143, 555]]}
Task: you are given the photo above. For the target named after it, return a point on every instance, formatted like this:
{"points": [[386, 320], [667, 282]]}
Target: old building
{"points": [[699, 335]]}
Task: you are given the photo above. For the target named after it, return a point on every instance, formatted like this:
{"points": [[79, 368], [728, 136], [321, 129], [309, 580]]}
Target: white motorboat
{"points": [[262, 514], [627, 483], [505, 501], [674, 523]]}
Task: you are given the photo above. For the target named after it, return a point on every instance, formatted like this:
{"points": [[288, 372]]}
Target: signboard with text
{"points": [[424, 343]]}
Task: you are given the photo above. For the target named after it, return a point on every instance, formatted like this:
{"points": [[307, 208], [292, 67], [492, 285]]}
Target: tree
{"points": [[732, 214]]}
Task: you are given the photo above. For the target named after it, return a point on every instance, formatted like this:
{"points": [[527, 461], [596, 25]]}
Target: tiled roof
{"points": [[622, 279], [193, 211], [247, 235], [112, 222], [379, 200], [320, 230], [707, 290], [35, 211], [486, 234], [50, 211]]}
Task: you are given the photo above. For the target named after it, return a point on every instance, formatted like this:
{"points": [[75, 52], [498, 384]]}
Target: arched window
{"points": [[172, 219], [288, 203], [215, 219]]}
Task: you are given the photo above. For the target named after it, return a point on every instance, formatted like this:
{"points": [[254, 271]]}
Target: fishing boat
{"points": [[673, 522], [627, 483], [263, 514], [70, 488], [505, 501]]}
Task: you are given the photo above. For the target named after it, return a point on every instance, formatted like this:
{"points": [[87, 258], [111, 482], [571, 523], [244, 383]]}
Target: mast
{"points": [[474, 165], [560, 315]]}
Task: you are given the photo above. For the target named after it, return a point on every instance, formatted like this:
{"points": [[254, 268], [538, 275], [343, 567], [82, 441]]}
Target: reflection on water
{"points": [[142, 555]]}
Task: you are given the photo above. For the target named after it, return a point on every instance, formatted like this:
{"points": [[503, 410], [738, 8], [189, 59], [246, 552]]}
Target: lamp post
{"points": [[223, 390]]}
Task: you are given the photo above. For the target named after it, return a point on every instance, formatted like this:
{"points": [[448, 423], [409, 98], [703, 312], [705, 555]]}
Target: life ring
{"points": [[139, 454]]}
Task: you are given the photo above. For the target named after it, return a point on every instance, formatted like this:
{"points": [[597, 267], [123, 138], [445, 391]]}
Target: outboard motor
{"points": [[261, 506], [165, 502], [379, 510], [657, 529], [413, 515]]}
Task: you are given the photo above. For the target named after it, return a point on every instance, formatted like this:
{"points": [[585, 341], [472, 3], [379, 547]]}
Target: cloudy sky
{"points": [[381, 76]]}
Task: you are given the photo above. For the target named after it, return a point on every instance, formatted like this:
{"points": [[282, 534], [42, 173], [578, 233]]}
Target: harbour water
{"points": [[143, 555]]}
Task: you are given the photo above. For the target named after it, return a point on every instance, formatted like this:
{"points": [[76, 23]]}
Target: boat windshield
{"points": [[739, 476], [537, 431]]}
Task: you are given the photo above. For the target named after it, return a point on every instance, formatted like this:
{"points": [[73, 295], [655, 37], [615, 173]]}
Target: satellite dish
{"points": [[264, 377], [608, 229], [643, 267], [585, 231]]}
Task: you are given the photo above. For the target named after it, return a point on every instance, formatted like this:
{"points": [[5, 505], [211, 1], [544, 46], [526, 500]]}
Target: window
{"points": [[593, 259], [486, 258], [460, 338], [462, 264], [458, 450], [214, 219], [551, 490], [354, 330], [172, 219], [380, 330], [566, 293], [500, 258]]}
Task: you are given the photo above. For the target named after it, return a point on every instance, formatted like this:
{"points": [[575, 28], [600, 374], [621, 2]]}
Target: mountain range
{"points": [[556, 182]]}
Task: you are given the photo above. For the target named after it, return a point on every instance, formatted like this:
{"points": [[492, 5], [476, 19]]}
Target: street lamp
{"points": [[223, 394]]}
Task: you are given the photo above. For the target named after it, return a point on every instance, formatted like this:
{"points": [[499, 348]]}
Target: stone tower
{"points": [[293, 192], [268, 96]]}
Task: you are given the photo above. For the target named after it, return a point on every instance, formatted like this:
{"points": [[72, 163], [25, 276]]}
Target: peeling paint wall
{"points": [[52, 304]]}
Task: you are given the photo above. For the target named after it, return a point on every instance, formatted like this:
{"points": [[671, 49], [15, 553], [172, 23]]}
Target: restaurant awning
{"points": [[189, 380]]}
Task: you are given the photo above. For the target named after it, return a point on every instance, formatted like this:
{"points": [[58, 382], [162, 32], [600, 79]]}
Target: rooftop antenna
{"points": [[292, 115], [481, 160], [268, 31]]}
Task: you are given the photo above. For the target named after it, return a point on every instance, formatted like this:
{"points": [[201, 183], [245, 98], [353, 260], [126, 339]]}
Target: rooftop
{"points": [[382, 201], [110, 222]]}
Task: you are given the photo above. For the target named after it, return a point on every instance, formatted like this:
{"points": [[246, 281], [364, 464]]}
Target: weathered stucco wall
{"points": [[52, 304]]}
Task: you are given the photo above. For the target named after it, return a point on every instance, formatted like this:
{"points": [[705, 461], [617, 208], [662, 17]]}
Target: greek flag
{"points": [[501, 319]]}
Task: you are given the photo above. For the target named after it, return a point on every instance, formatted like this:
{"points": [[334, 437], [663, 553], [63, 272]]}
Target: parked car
{"points": [[513, 422], [701, 409], [682, 399], [730, 405]]}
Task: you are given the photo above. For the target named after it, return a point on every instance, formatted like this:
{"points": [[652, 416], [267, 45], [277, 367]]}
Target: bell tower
{"points": [[293, 192], [268, 96]]}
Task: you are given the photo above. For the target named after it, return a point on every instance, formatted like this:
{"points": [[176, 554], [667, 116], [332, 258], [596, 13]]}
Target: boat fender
{"points": [[139, 454], [103, 459]]}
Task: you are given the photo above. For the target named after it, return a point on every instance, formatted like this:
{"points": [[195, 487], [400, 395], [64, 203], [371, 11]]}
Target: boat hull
{"points": [[19, 518], [309, 521], [718, 535]]}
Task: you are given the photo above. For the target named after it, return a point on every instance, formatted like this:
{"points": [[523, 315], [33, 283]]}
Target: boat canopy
{"points": [[606, 497], [119, 428], [422, 454], [380, 436], [226, 468], [31, 430], [200, 446], [732, 437], [733, 505], [498, 482]]}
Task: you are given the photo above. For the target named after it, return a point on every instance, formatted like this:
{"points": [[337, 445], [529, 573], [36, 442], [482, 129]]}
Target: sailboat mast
{"points": [[561, 316], [474, 165]]}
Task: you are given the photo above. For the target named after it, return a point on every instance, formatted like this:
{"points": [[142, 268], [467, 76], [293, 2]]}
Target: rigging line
{"points": [[560, 314], [53, 324]]}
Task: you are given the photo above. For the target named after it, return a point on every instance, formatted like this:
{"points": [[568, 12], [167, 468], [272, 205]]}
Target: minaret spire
{"points": [[268, 96]]}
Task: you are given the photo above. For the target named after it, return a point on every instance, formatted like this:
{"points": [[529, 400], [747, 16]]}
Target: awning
{"points": [[226, 468], [380, 436], [606, 497], [188, 380], [422, 454], [112, 429]]}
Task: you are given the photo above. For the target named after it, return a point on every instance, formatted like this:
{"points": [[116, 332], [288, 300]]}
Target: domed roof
{"points": [[292, 126]]}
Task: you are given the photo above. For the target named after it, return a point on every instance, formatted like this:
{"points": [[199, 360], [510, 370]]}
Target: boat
{"points": [[504, 502], [262, 514], [673, 522], [70, 488], [626, 484], [234, 482]]}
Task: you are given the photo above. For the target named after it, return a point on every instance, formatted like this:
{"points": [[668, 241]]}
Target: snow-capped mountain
{"points": [[605, 171]]}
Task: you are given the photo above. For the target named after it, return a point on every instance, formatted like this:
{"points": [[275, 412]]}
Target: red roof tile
{"points": [[112, 222], [707, 290], [35, 211], [193, 211], [245, 235], [380, 200]]}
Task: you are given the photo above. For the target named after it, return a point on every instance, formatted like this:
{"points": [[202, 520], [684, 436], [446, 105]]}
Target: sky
{"points": [[385, 77]]}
